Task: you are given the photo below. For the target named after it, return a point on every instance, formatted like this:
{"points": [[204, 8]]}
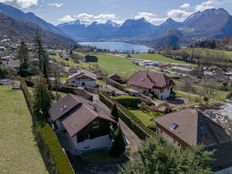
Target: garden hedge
{"points": [[115, 84], [80, 92], [128, 101], [132, 121], [53, 155]]}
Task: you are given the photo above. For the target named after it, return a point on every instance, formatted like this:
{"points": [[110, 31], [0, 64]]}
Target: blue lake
{"points": [[117, 46]]}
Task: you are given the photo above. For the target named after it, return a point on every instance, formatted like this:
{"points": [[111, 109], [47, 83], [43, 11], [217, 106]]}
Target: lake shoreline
{"points": [[117, 46]]}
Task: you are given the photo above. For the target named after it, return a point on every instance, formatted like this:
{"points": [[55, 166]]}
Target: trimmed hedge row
{"points": [[128, 101], [132, 121], [105, 99], [115, 84], [53, 155], [80, 92]]}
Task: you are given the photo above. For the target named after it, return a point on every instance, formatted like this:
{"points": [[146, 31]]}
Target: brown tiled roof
{"points": [[149, 79], [63, 106], [82, 73], [83, 113], [193, 128]]}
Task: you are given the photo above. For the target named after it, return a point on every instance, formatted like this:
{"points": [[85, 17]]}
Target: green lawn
{"points": [[145, 118], [156, 57], [70, 63], [206, 52], [111, 64], [217, 95], [18, 149]]}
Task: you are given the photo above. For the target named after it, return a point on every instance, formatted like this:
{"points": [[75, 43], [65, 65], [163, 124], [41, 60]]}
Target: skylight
{"points": [[64, 107], [174, 126], [202, 129]]}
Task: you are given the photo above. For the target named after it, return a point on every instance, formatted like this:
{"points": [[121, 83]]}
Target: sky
{"points": [[154, 11]]}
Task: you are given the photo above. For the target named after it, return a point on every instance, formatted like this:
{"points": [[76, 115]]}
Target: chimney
{"points": [[95, 106]]}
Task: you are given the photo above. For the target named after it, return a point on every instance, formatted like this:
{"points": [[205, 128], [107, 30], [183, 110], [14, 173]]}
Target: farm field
{"points": [[156, 57], [18, 149], [206, 52], [108, 63], [111, 64]]}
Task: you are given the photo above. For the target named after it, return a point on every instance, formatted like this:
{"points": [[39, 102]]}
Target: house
{"points": [[5, 82], [8, 61], [89, 58], [189, 127], [152, 82], [181, 70], [82, 78], [86, 124]]}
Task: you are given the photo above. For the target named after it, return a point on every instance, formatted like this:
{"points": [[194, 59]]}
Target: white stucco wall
{"points": [[169, 139], [91, 144], [78, 83], [165, 94]]}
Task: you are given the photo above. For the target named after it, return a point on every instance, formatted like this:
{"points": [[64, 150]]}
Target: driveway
{"points": [[133, 140]]}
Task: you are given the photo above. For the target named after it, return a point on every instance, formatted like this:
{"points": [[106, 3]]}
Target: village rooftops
{"points": [[80, 112], [82, 73], [150, 79], [192, 127]]}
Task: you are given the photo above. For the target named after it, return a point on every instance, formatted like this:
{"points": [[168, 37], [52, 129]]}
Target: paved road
{"points": [[134, 140]]}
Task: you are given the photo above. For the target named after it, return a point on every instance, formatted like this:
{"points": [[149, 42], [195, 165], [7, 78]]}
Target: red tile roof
{"points": [[150, 79]]}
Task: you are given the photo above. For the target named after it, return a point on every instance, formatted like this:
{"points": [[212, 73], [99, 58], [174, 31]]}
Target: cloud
{"points": [[150, 17], [67, 18], [206, 5], [88, 19], [56, 5], [185, 6], [178, 14], [21, 3]]}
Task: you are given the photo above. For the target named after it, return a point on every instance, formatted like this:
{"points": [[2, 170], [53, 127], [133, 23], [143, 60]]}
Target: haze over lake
{"points": [[117, 46]]}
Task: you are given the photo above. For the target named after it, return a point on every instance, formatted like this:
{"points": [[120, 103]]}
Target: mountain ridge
{"points": [[22, 26], [209, 24]]}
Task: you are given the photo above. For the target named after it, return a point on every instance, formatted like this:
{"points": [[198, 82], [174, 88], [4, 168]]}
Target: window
{"points": [[95, 124], [174, 126]]}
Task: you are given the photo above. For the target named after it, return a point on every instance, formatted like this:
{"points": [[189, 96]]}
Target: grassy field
{"points": [[145, 118], [70, 63], [18, 149], [108, 63], [206, 52], [217, 95], [111, 64], [156, 57]]}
